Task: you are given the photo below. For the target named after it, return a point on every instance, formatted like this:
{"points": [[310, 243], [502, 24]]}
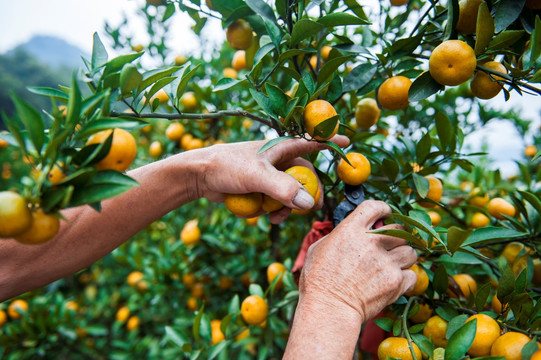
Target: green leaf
{"points": [[421, 184], [453, 10], [423, 343], [169, 11], [423, 87], [532, 199], [109, 123], [529, 349], [423, 148], [32, 121], [461, 341], [341, 19], [294, 52], [359, 76], [456, 237], [506, 285], [177, 338], [481, 296], [505, 39], [130, 78], [485, 29], [160, 84], [325, 128], [185, 78], [455, 324], [390, 168], [330, 67], [262, 8], [274, 33], [197, 322], [105, 184], [441, 281], [215, 350], [277, 99], [445, 130], [74, 103], [234, 305], [150, 77], [227, 83], [491, 233], [271, 143], [49, 92], [303, 29], [255, 289], [117, 63], [506, 12], [384, 323], [263, 101], [99, 54]]}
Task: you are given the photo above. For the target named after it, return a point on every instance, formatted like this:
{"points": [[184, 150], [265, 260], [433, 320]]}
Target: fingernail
{"points": [[303, 199]]}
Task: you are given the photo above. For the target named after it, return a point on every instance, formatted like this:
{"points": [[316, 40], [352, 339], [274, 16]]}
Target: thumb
{"points": [[286, 189]]}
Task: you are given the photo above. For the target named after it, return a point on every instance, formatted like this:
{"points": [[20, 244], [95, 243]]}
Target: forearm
{"points": [[323, 331], [87, 235]]}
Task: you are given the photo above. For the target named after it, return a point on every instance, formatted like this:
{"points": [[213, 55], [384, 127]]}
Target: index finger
{"points": [[293, 148], [368, 213]]}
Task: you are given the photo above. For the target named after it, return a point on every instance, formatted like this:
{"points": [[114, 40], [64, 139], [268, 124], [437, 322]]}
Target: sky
{"points": [[75, 21]]}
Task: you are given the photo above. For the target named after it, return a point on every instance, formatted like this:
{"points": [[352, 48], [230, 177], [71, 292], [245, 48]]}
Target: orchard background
{"points": [[160, 294]]}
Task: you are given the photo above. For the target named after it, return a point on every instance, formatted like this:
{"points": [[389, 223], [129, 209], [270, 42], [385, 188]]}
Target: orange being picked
{"points": [[239, 35], [44, 227], [422, 281], [483, 86], [230, 73], [435, 330], [122, 152], [367, 113], [393, 93], [16, 307], [499, 207], [270, 204], [530, 151], [357, 174], [239, 60], [188, 101], [306, 178], [509, 345], [397, 348], [243, 204], [467, 16], [315, 113], [452, 62], [254, 310], [479, 220], [466, 283], [486, 334], [435, 192], [174, 131], [190, 233], [275, 270], [15, 216]]}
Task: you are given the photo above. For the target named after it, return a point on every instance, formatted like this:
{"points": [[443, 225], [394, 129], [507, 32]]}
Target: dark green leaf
{"points": [[130, 78], [506, 285], [49, 92], [506, 12], [341, 19], [505, 39], [97, 192], [485, 29], [150, 77], [423, 148], [456, 237], [423, 87], [461, 341], [491, 233], [197, 323], [176, 337], [424, 344], [359, 76], [384, 323], [271, 143], [295, 52], [303, 29], [274, 33], [330, 67], [263, 101], [186, 76], [99, 54], [441, 281], [481, 296], [421, 184], [453, 10], [390, 168], [325, 128], [262, 8], [455, 324], [32, 121], [445, 131], [227, 83], [215, 350]]}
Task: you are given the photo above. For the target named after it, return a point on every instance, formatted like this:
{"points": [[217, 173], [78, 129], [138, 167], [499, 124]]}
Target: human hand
{"points": [[354, 271], [238, 169]]}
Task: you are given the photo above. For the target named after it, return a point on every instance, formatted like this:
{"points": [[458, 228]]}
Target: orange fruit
{"points": [[162, 96], [274, 270], [325, 52], [122, 314], [308, 180], [270, 204], [536, 355], [243, 204], [190, 233], [509, 345], [239, 35], [467, 16], [422, 315], [511, 251], [367, 113], [225, 282], [56, 175], [499, 207], [435, 218], [155, 150], [399, 2], [15, 216], [216, 332], [254, 310], [133, 323], [252, 221], [496, 305], [3, 318], [452, 62], [483, 86], [174, 131], [185, 141], [72, 305], [313, 61], [520, 264], [397, 348], [180, 60], [16, 307], [536, 272], [357, 174], [435, 191], [466, 283], [246, 279], [44, 227], [134, 278], [3, 144], [479, 220], [188, 280], [530, 151], [188, 101], [122, 152], [422, 281], [239, 60], [393, 93], [243, 335], [230, 73], [486, 334], [315, 113], [195, 143], [533, 4], [197, 291], [137, 47], [478, 200], [191, 304], [435, 330]]}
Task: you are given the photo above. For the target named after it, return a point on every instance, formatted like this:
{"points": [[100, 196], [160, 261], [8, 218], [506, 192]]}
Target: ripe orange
{"points": [[536, 355], [325, 52], [276, 270], [155, 149], [509, 345], [499, 207], [56, 175], [479, 220], [243, 335], [435, 218], [435, 329], [230, 73], [422, 281], [397, 348], [162, 96], [308, 180], [254, 310], [367, 113], [190, 233], [270, 204], [253, 221], [185, 141], [44, 227], [71, 305], [188, 101], [466, 283], [313, 61], [137, 47], [174, 131], [3, 144], [194, 143], [122, 314], [3, 318], [315, 113], [216, 332], [393, 93], [225, 282], [486, 334], [435, 191], [467, 16], [239, 60], [496, 305], [122, 152], [422, 315], [191, 303], [16, 307], [452, 62], [537, 272], [511, 251], [478, 200], [530, 151], [133, 323], [246, 279], [243, 204], [198, 290], [188, 280], [15, 216], [134, 278], [180, 60], [357, 174], [239, 35], [482, 84]]}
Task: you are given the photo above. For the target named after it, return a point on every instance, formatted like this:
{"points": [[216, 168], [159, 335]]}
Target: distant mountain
{"points": [[53, 51]]}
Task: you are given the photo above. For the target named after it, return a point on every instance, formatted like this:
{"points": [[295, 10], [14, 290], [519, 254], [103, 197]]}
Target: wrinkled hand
{"points": [[238, 169], [351, 269]]}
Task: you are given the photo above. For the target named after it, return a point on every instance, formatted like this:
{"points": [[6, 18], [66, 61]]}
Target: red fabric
{"points": [[319, 230], [372, 335]]}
